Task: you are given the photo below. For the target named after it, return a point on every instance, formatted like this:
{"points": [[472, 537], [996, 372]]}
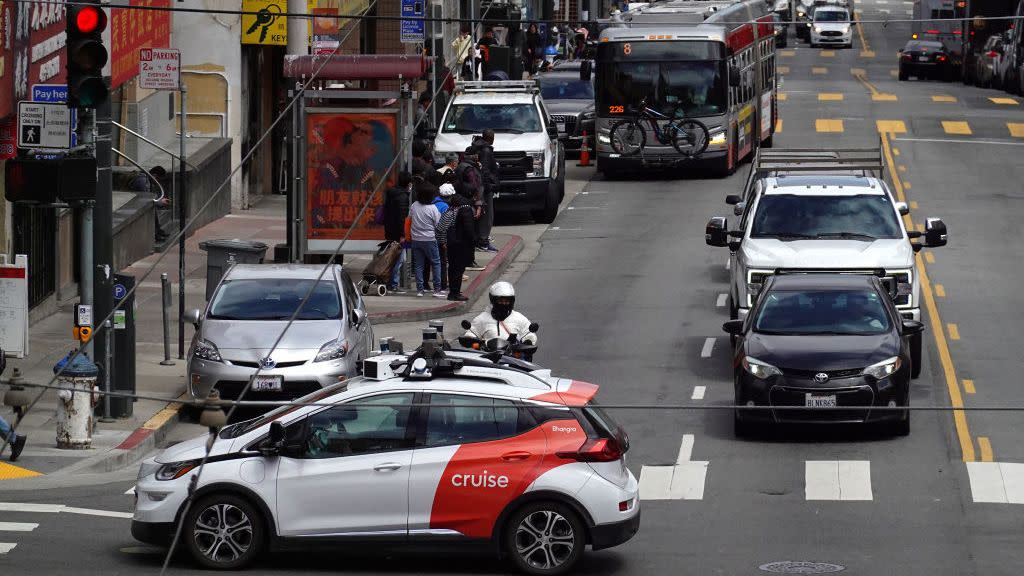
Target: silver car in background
{"points": [[247, 313]]}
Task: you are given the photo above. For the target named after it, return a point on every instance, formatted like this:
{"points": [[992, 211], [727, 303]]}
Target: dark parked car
{"points": [[986, 63], [925, 59], [570, 101], [823, 340]]}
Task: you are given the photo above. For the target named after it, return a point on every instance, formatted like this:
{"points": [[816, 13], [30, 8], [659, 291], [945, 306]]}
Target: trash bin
{"points": [[221, 254]]}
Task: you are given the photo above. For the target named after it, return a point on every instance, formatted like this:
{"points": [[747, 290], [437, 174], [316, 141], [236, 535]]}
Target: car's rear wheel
{"points": [[741, 428], [903, 77], [547, 214], [915, 355], [223, 532], [545, 538]]}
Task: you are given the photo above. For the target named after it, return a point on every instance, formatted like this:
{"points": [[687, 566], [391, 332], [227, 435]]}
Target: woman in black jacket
{"points": [[396, 208], [461, 241], [531, 50]]}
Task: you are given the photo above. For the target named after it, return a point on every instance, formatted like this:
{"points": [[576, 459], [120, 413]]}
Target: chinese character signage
{"points": [[348, 153], [6, 69], [131, 30]]}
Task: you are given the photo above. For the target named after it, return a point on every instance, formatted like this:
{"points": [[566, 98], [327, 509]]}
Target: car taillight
{"points": [[907, 56], [941, 58], [595, 450], [992, 54]]}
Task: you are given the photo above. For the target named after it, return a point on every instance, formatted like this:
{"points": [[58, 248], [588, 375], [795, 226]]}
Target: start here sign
{"points": [[160, 68]]}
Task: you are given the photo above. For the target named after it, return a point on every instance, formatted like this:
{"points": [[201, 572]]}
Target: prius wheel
{"points": [[545, 538], [223, 532]]}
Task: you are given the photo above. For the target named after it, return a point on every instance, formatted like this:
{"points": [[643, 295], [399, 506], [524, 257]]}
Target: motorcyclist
{"points": [[501, 320]]}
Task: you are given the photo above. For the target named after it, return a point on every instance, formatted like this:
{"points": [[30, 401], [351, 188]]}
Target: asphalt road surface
{"points": [[630, 298]]}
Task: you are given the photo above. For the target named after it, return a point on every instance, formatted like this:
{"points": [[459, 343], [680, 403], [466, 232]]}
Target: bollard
{"points": [[74, 411], [165, 305]]}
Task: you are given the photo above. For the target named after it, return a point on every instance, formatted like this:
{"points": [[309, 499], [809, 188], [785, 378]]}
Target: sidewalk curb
{"points": [[494, 269], [135, 447]]}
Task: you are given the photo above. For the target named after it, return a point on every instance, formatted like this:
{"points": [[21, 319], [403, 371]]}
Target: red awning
{"points": [[357, 66]]}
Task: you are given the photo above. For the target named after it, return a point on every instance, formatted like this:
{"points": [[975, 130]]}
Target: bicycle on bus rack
{"points": [[688, 136]]}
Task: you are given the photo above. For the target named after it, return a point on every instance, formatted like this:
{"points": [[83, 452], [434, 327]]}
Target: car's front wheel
{"points": [[545, 538], [223, 532]]}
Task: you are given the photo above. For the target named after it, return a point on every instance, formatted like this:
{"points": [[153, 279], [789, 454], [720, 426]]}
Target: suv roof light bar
{"points": [[778, 162]]}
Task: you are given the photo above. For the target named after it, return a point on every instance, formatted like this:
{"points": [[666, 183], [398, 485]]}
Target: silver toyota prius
{"points": [[246, 315]]}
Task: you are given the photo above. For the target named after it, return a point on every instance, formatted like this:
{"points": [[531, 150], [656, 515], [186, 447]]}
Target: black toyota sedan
{"points": [[925, 59], [823, 340]]}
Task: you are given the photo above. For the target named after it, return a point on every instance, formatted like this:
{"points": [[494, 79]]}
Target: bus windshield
{"points": [[691, 88]]}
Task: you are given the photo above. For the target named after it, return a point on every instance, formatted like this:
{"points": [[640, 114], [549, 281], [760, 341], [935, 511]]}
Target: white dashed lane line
{"points": [[709, 346], [17, 526], [722, 298], [698, 392], [6, 547]]}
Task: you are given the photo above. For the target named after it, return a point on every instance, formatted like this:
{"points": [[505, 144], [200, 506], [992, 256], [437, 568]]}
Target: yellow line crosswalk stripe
{"points": [[819, 70], [929, 257], [956, 127], [787, 53], [884, 97], [1016, 129], [826, 125], [969, 386], [954, 331], [1007, 101], [10, 472], [940, 290], [891, 126], [827, 53], [830, 97], [943, 98], [913, 203], [867, 53], [778, 125], [782, 69], [782, 96]]}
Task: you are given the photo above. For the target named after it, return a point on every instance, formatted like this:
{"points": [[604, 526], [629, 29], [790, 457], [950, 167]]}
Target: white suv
{"points": [[831, 26], [526, 145], [424, 446]]}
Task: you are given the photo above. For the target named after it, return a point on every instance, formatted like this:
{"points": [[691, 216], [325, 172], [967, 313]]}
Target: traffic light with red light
{"points": [[86, 55]]}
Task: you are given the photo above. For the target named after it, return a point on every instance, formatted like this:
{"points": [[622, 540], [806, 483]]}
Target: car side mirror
{"points": [[934, 232], [733, 199], [902, 208], [912, 327], [193, 317], [275, 440], [586, 70], [738, 209], [358, 317], [733, 327], [734, 76], [716, 232]]}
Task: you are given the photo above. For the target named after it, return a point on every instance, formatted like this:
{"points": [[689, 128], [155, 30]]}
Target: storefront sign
{"points": [[132, 30]]}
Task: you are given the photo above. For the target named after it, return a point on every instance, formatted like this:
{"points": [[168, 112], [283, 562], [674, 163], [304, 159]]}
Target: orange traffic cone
{"points": [[584, 152]]}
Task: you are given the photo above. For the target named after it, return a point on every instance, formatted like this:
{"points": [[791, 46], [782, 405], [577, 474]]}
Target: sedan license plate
{"points": [[820, 400], [561, 127], [266, 384]]}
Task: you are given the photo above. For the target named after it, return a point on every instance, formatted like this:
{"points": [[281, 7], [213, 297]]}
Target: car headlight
{"points": [[717, 138], [846, 31], [206, 350], [800, 13], [604, 138], [758, 369], [538, 164], [590, 115], [755, 280], [817, 29], [883, 369], [147, 468], [332, 350], [176, 470]]}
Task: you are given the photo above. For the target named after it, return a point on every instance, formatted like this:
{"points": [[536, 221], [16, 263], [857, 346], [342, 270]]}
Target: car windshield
{"points": [[693, 88], [246, 426], [275, 299], [474, 118], [850, 312], [565, 88], [791, 216], [923, 46], [831, 16]]}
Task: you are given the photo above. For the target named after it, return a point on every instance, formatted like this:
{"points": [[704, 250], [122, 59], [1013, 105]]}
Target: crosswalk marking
{"points": [[787, 53], [819, 70], [956, 127], [884, 97], [826, 125], [969, 386], [867, 53], [778, 125], [1007, 101], [698, 392], [837, 480], [709, 346], [1016, 129], [943, 98], [6, 547], [683, 480], [782, 96], [891, 126], [954, 331], [782, 69], [827, 53], [830, 97], [17, 526], [996, 482]]}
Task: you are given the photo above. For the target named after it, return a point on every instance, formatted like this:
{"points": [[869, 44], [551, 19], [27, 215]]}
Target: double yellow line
{"points": [[952, 383]]}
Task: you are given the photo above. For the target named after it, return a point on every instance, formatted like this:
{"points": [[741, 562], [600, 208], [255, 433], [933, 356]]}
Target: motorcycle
{"points": [[513, 347]]}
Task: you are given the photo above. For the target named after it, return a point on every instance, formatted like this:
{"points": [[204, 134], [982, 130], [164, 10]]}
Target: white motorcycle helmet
{"points": [[503, 299]]}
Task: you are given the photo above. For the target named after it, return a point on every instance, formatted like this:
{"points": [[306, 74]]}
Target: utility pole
{"points": [[182, 201], [297, 44], [298, 28]]}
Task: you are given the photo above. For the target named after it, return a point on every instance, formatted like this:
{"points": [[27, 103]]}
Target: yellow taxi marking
{"points": [[943, 98], [954, 331], [824, 125], [782, 96], [1008, 101], [986, 448], [787, 53], [940, 290], [1016, 129], [778, 125], [884, 97], [913, 203], [956, 127], [929, 257], [161, 417], [969, 386], [867, 53], [819, 70], [952, 384], [10, 472], [782, 69], [827, 53], [894, 72], [830, 97], [891, 127]]}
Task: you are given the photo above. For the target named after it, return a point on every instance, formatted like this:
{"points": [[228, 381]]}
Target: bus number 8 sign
{"points": [[627, 48]]}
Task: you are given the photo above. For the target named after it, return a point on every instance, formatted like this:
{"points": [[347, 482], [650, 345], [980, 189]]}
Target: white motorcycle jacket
{"points": [[485, 327]]}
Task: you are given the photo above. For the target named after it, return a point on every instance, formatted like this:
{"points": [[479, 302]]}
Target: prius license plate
{"points": [[266, 384], [820, 400]]}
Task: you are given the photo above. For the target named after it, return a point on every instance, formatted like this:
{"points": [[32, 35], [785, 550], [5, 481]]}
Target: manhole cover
{"points": [[799, 567]]}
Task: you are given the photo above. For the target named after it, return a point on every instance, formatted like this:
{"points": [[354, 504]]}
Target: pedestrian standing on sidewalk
{"points": [[396, 208], [16, 441], [462, 46], [531, 50], [442, 206], [423, 219], [451, 162], [469, 183], [492, 183], [461, 238]]}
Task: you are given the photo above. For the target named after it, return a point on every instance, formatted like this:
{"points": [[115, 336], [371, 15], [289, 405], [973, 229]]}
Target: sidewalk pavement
{"points": [[124, 441]]}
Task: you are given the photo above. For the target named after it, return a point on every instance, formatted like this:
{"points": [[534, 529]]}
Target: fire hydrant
{"points": [[74, 414]]}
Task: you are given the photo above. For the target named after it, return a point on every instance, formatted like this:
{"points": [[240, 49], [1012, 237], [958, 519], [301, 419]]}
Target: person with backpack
{"points": [[423, 219], [458, 227], [469, 183], [492, 183], [396, 208]]}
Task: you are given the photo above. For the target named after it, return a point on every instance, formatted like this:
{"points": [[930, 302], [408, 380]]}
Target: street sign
{"points": [[160, 68], [411, 30], [57, 93], [44, 125], [83, 315], [119, 291]]}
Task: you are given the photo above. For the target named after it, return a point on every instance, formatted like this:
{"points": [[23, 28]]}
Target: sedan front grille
{"points": [[831, 33], [567, 119], [513, 165]]}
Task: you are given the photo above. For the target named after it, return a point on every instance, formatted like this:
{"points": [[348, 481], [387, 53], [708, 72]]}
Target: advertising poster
{"points": [[348, 152], [132, 30]]}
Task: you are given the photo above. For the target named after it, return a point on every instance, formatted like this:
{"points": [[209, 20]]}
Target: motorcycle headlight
{"points": [[538, 164], [206, 350], [758, 369], [883, 369], [717, 138], [332, 350], [176, 470]]}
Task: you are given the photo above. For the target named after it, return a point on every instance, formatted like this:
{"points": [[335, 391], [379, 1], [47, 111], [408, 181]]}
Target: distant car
{"points": [[781, 32], [831, 26], [570, 100], [925, 59], [987, 62], [823, 340], [247, 314]]}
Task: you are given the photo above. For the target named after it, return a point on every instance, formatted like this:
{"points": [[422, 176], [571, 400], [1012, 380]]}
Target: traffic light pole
{"points": [[103, 226], [86, 212], [182, 216]]}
